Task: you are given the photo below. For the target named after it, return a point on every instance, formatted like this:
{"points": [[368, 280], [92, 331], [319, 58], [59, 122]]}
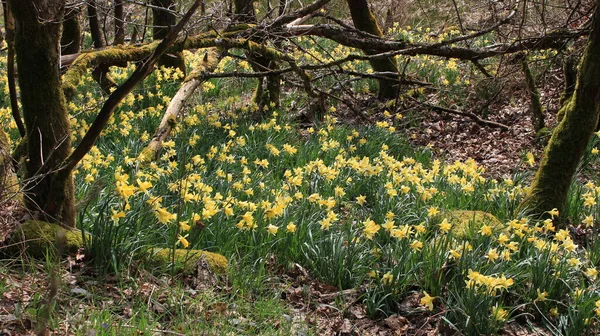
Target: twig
{"points": [[473, 116]]}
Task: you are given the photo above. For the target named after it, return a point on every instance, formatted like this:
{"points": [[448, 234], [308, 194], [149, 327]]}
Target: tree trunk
{"points": [[570, 73], [365, 21], [92, 12], [265, 94], [570, 138], [163, 20], [9, 24], [70, 40], [37, 46], [535, 104], [119, 23]]}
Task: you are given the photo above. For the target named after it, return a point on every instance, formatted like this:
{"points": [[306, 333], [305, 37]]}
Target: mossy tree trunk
{"points": [[363, 20], [163, 19], [37, 46], [570, 138], [266, 94], [71, 32]]}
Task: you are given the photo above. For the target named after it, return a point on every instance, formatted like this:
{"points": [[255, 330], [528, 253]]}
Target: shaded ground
{"points": [[500, 152]]}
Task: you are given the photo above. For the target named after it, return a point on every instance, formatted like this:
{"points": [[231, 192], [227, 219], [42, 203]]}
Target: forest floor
{"points": [[292, 302]]}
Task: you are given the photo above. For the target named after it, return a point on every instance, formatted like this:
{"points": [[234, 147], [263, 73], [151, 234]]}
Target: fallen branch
{"points": [[472, 116], [195, 78]]}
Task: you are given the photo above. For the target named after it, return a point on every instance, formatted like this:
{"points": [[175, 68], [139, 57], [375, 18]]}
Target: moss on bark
{"points": [[570, 138], [38, 237], [37, 46], [123, 53], [365, 21]]}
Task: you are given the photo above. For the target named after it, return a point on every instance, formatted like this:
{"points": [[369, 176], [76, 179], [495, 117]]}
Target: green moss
{"points": [[186, 261], [39, 237], [467, 222]]}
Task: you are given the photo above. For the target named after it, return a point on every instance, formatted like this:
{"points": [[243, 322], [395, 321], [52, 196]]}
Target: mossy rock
{"points": [[186, 261], [466, 222], [39, 237]]}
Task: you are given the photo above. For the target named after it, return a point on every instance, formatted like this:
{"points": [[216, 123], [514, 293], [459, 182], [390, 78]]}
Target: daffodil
{"points": [[164, 216], [117, 215], [183, 241], [445, 226], [272, 229], [499, 313], [486, 230], [492, 255], [387, 278], [143, 186], [184, 226], [427, 300], [541, 296], [416, 245], [432, 211], [591, 273], [361, 200]]}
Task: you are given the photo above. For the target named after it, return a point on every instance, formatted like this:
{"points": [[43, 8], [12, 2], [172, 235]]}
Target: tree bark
{"points": [[266, 94], [94, 22], [119, 23], [570, 138], [9, 24], [365, 21], [163, 19], [535, 104], [37, 46], [70, 40]]}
